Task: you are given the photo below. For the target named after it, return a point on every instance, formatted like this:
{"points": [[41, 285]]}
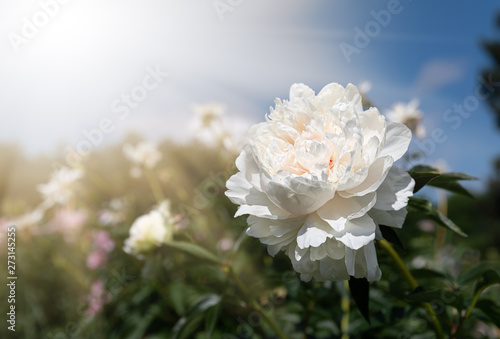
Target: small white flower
{"points": [[150, 231], [317, 178], [143, 154], [59, 190], [365, 87], [409, 115], [209, 113]]}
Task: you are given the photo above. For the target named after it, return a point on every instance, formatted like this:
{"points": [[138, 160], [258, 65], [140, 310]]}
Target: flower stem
{"points": [[230, 272], [154, 184], [345, 304], [469, 310], [413, 284]]}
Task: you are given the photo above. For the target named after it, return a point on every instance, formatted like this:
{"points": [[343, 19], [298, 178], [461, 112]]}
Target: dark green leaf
{"points": [[446, 297], [424, 273], [211, 320], [425, 208], [193, 250], [186, 325], [488, 278], [360, 292], [391, 236], [475, 273], [422, 175], [450, 185], [490, 309]]}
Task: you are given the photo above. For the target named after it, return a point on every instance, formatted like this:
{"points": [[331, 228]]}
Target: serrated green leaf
{"points": [[425, 208], [490, 309], [391, 236], [447, 297], [360, 292], [194, 250]]}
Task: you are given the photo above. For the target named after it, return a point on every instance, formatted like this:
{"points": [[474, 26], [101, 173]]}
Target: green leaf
{"points": [[490, 309], [425, 208], [193, 250], [188, 324], [360, 292], [444, 296], [422, 175], [450, 185], [211, 320], [426, 175], [391, 236], [475, 273], [490, 277]]}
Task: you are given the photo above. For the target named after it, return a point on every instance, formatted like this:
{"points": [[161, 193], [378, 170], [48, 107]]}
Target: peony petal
{"points": [[301, 91], [373, 270], [317, 253], [314, 232], [247, 165], [339, 210], [394, 192], [389, 218], [251, 200], [331, 269], [376, 175], [297, 195], [335, 249], [358, 232], [397, 139], [363, 263]]}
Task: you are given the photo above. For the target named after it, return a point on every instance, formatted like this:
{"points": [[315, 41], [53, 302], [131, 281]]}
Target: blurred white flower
{"points": [[214, 130], [318, 177], [209, 113], [31, 218], [365, 87], [150, 231], [114, 214], [143, 154], [60, 188], [409, 115]]}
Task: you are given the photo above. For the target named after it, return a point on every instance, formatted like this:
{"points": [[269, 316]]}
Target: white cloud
{"points": [[438, 73]]}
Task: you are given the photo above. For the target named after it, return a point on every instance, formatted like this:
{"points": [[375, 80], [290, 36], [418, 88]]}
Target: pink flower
{"points": [[103, 241], [97, 298]]}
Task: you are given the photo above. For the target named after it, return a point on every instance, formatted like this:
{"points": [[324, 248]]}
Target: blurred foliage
{"points": [[182, 292]]}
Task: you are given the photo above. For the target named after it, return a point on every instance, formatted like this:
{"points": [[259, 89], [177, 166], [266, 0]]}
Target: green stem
{"points": [[469, 309], [254, 303], [441, 231], [154, 184], [413, 284], [345, 304]]}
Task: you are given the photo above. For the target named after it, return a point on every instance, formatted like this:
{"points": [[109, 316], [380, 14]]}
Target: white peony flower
{"points": [[150, 231], [143, 154], [59, 190], [317, 178], [409, 115]]}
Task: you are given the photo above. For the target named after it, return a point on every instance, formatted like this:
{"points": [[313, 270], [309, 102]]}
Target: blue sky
{"points": [[88, 54]]}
